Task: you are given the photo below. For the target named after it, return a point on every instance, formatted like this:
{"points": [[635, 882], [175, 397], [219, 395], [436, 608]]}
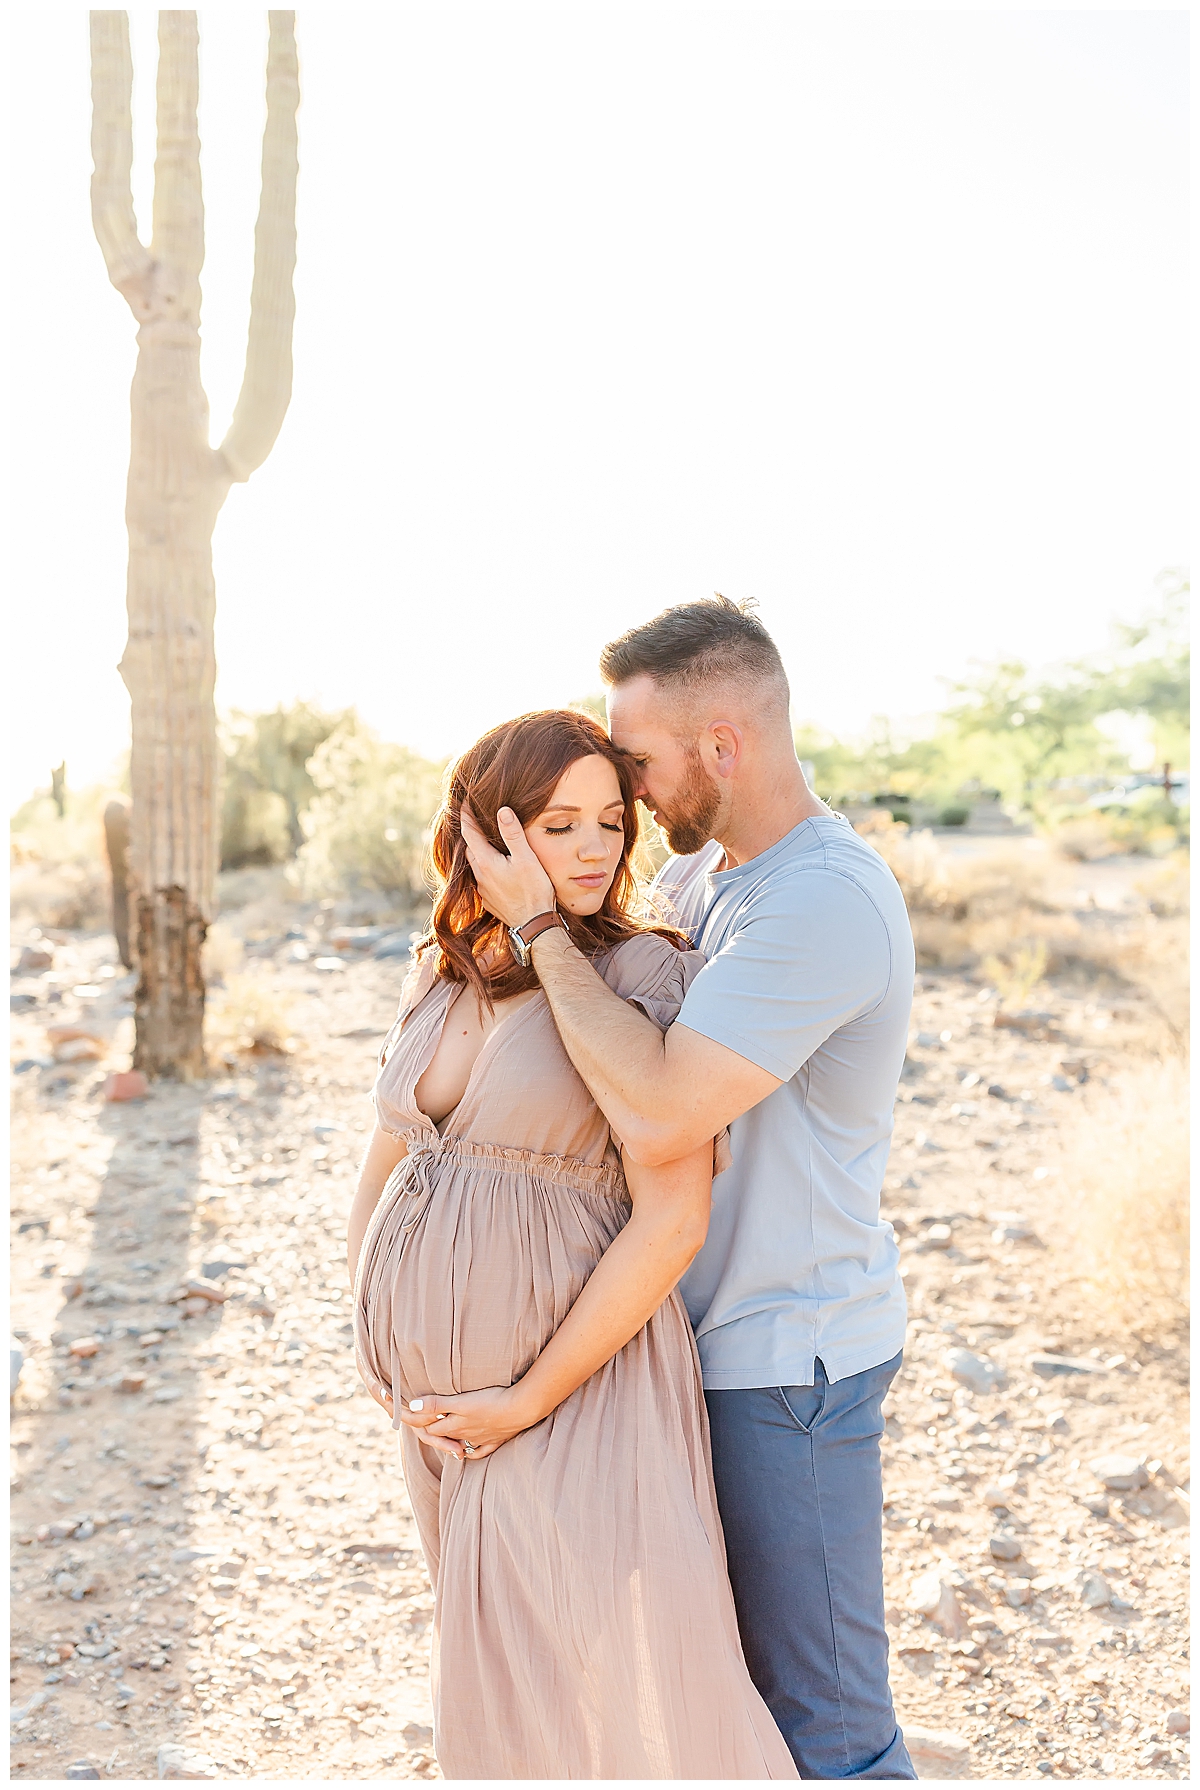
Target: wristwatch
{"points": [[521, 937]]}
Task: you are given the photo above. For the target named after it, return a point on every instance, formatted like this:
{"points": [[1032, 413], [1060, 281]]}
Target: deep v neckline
{"points": [[427, 1055]]}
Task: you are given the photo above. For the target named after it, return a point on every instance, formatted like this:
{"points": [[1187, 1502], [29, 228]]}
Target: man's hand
{"points": [[485, 1419], [514, 888]]}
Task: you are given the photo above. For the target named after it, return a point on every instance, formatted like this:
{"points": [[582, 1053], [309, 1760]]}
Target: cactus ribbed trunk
{"points": [[177, 484]]}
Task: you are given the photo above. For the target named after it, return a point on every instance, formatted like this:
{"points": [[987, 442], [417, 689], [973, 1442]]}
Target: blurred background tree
{"points": [[267, 785]]}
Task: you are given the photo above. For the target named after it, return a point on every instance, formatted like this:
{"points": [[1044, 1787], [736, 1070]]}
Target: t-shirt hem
{"points": [[798, 1370]]}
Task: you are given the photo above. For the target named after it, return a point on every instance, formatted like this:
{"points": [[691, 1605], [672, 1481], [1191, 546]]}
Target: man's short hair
{"points": [[695, 644]]}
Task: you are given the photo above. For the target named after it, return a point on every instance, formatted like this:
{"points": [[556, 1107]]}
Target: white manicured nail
{"points": [[416, 1404]]}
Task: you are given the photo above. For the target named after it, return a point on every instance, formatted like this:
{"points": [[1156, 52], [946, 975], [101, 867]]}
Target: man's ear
{"points": [[725, 741]]}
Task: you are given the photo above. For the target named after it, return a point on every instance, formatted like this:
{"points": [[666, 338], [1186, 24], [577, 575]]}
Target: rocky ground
{"points": [[214, 1550]]}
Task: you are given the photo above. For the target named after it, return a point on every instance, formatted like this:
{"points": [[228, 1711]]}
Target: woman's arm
{"points": [[639, 1268]]}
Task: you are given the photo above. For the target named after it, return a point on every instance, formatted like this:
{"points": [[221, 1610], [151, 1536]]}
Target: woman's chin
{"points": [[581, 904]]}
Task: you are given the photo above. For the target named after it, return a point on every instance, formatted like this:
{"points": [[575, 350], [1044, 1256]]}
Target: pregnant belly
{"points": [[471, 1293]]}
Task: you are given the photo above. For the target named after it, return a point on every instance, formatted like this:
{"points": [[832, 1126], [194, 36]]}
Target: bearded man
{"points": [[794, 1036]]}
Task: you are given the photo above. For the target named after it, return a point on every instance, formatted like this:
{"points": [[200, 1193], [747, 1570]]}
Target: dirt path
{"points": [[225, 1558]]}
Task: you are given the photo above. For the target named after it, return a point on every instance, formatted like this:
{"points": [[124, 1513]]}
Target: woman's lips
{"points": [[591, 882]]}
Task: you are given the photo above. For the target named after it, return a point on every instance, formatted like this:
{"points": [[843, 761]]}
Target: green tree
{"points": [[267, 784]]}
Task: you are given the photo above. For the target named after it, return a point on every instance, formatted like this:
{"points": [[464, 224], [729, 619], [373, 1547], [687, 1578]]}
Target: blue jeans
{"points": [[800, 1487]]}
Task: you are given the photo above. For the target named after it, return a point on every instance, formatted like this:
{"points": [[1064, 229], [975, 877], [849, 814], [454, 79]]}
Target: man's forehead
{"points": [[636, 706]]}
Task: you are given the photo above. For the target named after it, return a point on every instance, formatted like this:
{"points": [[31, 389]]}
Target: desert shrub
{"points": [[366, 828], [1016, 976], [1166, 889], [1124, 1212], [955, 815], [1149, 827], [59, 872], [245, 1015]]}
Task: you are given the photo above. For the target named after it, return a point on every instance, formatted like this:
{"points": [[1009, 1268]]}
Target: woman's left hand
{"points": [[485, 1420]]}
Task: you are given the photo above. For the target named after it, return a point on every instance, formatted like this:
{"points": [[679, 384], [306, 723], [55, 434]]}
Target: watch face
{"points": [[520, 949]]}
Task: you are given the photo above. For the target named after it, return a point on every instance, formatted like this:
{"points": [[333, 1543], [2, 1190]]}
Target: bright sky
{"points": [[879, 318]]}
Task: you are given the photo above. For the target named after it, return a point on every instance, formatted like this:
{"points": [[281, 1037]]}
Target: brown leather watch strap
{"points": [[540, 923]]}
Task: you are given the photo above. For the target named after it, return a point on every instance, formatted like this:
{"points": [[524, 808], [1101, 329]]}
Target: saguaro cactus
{"points": [[177, 484]]}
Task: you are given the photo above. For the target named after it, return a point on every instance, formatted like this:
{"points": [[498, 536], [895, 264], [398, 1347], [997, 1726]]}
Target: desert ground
{"points": [[216, 1569]]}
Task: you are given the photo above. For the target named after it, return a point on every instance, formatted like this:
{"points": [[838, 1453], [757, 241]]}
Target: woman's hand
{"points": [[485, 1420]]}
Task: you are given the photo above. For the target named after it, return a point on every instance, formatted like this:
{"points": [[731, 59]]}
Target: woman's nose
{"points": [[593, 846]]}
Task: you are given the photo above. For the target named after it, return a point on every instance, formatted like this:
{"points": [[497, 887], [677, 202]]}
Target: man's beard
{"points": [[689, 825]]}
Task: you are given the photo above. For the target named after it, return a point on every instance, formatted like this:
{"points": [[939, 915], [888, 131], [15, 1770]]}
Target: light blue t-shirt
{"points": [[809, 975]]}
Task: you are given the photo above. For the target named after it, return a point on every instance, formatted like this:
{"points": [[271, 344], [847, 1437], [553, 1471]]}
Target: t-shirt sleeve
{"points": [[808, 956], [653, 975]]}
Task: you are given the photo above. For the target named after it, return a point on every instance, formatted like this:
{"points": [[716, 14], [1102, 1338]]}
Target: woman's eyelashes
{"points": [[608, 826]]}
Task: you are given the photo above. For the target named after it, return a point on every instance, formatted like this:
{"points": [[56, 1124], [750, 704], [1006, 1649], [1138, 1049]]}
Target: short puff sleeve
{"points": [[654, 975]]}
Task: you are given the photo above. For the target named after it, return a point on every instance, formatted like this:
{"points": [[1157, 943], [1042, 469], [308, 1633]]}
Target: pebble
{"points": [[1004, 1547], [131, 1382], [1120, 1472], [1046, 1365], [176, 1761], [126, 1084], [933, 1596], [1015, 1596], [979, 1372], [1179, 1722], [937, 1753], [81, 1768], [1094, 1591], [84, 1347], [996, 1494]]}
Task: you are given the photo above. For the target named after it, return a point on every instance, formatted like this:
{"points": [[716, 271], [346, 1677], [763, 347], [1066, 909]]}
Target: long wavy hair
{"points": [[517, 766]]}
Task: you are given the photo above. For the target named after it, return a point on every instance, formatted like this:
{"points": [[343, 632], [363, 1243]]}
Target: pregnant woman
{"points": [[515, 1315]]}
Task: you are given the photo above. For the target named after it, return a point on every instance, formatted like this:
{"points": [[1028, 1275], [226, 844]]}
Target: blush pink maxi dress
{"points": [[583, 1625]]}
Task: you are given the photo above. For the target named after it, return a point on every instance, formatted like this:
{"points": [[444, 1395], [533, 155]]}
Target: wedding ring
{"points": [[468, 1447]]}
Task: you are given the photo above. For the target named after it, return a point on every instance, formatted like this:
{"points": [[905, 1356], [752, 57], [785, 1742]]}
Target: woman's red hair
{"points": [[518, 766]]}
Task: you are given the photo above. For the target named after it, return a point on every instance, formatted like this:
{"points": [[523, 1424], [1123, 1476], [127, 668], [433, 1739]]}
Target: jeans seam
{"points": [[832, 1613]]}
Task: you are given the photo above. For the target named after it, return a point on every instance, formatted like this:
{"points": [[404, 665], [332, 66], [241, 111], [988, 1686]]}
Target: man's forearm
{"points": [[619, 1053]]}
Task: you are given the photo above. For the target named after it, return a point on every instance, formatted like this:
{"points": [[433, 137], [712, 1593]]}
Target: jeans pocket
{"points": [[804, 1404]]}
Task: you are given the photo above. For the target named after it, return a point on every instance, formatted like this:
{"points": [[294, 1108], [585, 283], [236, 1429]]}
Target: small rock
{"points": [[946, 1500], [1016, 1595], [937, 1753], [1120, 1472], [131, 1382], [34, 958], [1004, 1547], [1047, 1365], [84, 1347], [996, 1494], [1014, 1233], [176, 1761], [126, 1084], [1094, 1591], [938, 1236], [934, 1597], [81, 1768], [1154, 1755], [167, 1395], [414, 1735], [78, 1050], [157, 1481], [979, 1372], [197, 1287], [1097, 1506], [1179, 1722]]}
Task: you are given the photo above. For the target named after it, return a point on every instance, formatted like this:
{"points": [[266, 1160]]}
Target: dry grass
{"points": [[1124, 1215], [246, 1016]]}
